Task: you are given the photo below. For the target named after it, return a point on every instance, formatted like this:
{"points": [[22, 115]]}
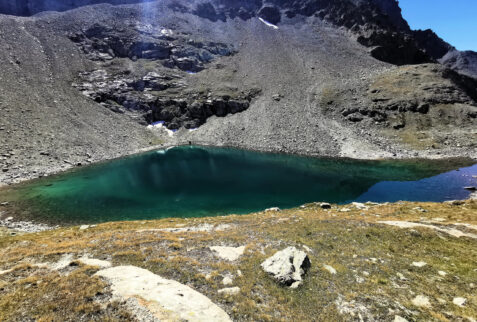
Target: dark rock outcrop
{"points": [[464, 62], [270, 13], [102, 43], [149, 97], [413, 91], [378, 24]]}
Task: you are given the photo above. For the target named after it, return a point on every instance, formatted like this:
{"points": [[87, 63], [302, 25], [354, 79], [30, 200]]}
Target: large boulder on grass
{"points": [[288, 266]]}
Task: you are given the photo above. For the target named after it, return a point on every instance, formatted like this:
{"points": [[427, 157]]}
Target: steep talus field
{"points": [[330, 78]]}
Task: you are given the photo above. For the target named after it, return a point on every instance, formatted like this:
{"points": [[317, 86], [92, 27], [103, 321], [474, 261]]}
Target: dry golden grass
{"points": [[373, 264]]}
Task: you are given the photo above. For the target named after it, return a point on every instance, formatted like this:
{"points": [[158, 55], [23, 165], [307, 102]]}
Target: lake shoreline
{"points": [[69, 166]]}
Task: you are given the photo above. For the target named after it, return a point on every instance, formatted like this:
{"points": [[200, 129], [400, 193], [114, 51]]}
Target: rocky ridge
{"points": [[304, 79]]}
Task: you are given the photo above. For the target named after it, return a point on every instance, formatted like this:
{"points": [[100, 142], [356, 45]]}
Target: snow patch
{"points": [[160, 126], [268, 24]]}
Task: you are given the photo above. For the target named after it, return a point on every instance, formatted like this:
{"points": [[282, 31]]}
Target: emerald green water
{"points": [[200, 181]]}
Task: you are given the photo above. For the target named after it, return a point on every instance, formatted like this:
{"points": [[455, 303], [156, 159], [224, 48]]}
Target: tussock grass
{"points": [[374, 280]]}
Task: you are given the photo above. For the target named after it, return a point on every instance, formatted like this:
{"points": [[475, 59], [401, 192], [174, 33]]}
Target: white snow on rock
{"points": [[166, 299], [160, 126], [228, 253], [268, 24]]}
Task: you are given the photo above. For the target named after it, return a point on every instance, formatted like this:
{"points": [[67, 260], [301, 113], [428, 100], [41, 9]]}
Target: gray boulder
{"points": [[288, 266]]}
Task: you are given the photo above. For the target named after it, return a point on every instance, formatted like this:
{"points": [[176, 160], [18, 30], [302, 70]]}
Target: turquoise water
{"points": [[199, 181]]}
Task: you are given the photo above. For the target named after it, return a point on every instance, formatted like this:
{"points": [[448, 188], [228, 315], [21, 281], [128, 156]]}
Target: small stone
{"points": [[4, 204], [419, 264], [345, 210], [95, 262], [277, 97], [455, 202], [420, 209], [273, 209], [325, 205], [330, 269], [459, 301], [83, 227], [228, 253], [229, 291], [421, 301], [227, 280], [442, 273], [359, 205], [398, 318]]}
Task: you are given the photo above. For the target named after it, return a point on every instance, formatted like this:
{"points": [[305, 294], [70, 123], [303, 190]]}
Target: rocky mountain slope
{"points": [[328, 78]]}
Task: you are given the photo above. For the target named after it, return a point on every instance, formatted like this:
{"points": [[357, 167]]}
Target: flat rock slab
{"points": [[95, 262], [166, 299], [228, 253], [448, 230]]}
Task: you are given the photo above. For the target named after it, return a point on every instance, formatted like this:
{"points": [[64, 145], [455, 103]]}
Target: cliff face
{"points": [[377, 24]]}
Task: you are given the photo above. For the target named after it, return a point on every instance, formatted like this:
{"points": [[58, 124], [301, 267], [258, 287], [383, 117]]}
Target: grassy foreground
{"points": [[375, 278]]}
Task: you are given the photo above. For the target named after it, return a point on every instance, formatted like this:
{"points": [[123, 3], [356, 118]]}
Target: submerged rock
{"points": [[288, 266]]}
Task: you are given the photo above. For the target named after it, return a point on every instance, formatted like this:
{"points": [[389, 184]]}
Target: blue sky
{"points": [[455, 21]]}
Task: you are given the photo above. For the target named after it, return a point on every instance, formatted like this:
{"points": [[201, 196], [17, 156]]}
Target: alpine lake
{"points": [[194, 181]]}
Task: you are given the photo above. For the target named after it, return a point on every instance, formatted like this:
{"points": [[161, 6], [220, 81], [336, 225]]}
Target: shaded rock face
{"points": [[31, 7], [377, 23], [149, 97], [270, 13], [102, 43], [464, 62], [432, 44], [173, 55]]}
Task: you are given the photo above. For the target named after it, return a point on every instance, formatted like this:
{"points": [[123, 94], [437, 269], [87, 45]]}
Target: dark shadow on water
{"points": [[200, 181]]}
